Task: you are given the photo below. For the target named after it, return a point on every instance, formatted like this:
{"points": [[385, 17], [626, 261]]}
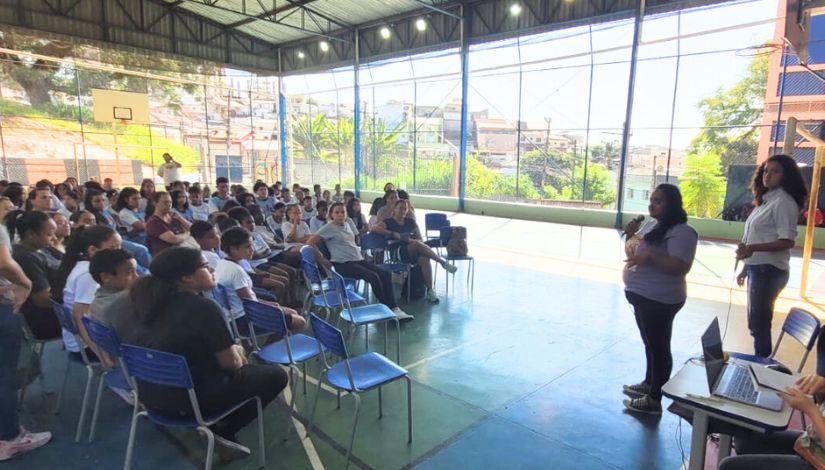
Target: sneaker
{"points": [[401, 315], [636, 390], [431, 297], [24, 442], [230, 450], [644, 404], [451, 268]]}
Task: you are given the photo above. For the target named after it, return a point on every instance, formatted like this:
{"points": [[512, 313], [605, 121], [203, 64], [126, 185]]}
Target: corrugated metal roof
{"points": [[215, 14], [363, 11]]}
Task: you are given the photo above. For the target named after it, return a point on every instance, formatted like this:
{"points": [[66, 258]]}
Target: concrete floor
{"points": [[524, 373]]}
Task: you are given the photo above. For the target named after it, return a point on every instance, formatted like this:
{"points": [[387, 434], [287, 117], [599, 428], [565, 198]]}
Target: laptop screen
{"points": [[712, 351]]}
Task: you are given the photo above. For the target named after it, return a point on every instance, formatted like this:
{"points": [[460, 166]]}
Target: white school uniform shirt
{"points": [[231, 275], [80, 288], [212, 258], [303, 230], [775, 219], [200, 212]]}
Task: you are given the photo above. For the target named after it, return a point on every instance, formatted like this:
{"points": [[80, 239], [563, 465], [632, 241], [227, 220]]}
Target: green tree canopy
{"points": [[600, 186], [702, 185]]}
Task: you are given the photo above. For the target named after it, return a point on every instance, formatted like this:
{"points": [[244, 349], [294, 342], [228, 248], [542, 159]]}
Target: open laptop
{"points": [[732, 381]]}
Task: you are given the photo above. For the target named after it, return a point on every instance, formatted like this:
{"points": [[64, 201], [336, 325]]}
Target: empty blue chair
{"points": [[319, 292], [446, 233], [171, 370], [366, 315], [64, 316], [355, 375], [433, 222], [115, 379], [800, 325], [376, 244], [293, 350]]}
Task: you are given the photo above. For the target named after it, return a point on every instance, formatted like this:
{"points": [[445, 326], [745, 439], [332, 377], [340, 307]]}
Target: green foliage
{"points": [[600, 186], [702, 185], [739, 105]]}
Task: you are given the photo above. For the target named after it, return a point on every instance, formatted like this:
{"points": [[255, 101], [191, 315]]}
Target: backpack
{"points": [[457, 245]]}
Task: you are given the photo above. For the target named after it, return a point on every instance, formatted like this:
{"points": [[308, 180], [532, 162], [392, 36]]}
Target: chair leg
{"points": [[397, 344], [409, 409], [304, 367], [130, 446], [385, 338], [380, 404], [261, 438], [354, 427], [96, 409], [338, 394], [90, 373], [315, 404], [59, 406], [366, 337], [210, 446]]}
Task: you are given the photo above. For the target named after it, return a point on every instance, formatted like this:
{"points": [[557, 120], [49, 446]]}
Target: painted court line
{"points": [[309, 447]]}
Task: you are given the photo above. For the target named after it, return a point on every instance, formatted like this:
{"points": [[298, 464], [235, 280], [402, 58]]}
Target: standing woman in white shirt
{"points": [[770, 233]]}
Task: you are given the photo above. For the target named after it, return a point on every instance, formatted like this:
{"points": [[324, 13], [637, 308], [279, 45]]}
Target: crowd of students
{"points": [[145, 262]]}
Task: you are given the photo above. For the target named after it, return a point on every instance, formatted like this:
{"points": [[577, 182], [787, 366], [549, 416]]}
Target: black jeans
{"points": [[766, 452], [379, 280], [765, 281], [655, 322], [11, 335]]}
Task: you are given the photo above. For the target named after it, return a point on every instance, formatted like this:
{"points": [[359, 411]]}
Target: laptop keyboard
{"points": [[738, 385]]}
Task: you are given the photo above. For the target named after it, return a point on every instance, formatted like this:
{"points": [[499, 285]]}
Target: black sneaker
{"points": [[636, 390], [644, 404]]}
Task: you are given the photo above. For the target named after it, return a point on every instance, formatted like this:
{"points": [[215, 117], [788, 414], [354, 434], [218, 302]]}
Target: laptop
{"points": [[733, 381]]}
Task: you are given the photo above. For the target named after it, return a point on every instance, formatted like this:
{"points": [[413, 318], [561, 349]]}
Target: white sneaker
{"points": [[24, 442], [401, 315], [431, 297], [451, 268]]}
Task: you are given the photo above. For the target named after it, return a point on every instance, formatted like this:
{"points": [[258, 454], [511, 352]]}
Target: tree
{"points": [[313, 135], [702, 185], [739, 105], [600, 186]]}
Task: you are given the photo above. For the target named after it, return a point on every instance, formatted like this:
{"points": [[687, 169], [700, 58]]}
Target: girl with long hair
{"points": [[171, 315], [128, 209], [770, 232], [147, 190], [164, 228], [355, 216], [180, 204], [655, 286]]}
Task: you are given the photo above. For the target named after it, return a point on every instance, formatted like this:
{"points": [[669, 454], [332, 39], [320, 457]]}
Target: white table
{"points": [[692, 380]]}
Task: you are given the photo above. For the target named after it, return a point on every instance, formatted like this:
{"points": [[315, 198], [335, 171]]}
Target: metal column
{"points": [[357, 123], [282, 122], [465, 75]]}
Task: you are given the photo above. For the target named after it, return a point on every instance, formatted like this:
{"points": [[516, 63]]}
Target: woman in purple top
{"points": [[655, 286]]}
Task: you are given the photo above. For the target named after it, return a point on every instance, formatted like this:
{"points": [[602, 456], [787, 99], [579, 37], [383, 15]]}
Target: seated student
{"points": [[356, 218], [290, 258], [276, 219], [170, 315], [57, 248], [337, 197], [74, 285], [285, 197], [320, 218], [296, 234], [180, 205], [128, 209], [81, 218], [164, 228], [35, 230], [245, 200], [147, 189], [387, 210], [410, 248], [115, 271], [262, 197], [326, 196], [219, 199], [349, 262], [209, 241], [377, 205], [317, 195], [237, 247], [200, 211], [405, 196], [96, 204], [348, 195]]}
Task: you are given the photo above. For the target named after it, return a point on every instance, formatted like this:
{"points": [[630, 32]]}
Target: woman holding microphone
{"points": [[770, 232], [655, 286]]}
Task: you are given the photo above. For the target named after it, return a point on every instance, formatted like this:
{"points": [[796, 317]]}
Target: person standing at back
{"points": [[770, 233], [655, 286], [169, 170]]}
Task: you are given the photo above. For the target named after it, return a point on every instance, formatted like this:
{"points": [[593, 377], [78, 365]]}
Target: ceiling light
{"points": [[324, 46], [300, 55], [385, 32], [515, 9], [421, 25]]}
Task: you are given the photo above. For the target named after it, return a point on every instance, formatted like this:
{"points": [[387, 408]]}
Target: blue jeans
{"points": [[11, 334], [140, 252], [765, 281]]}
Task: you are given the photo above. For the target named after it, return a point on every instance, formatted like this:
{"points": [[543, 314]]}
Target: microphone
{"points": [[638, 218]]}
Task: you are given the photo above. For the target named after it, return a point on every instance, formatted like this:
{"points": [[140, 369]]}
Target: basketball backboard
{"points": [[122, 107]]}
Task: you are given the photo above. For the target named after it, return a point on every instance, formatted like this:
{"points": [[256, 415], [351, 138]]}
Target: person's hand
{"points": [[298, 323], [638, 259], [740, 278], [632, 227], [241, 352], [811, 384], [743, 251], [798, 400]]}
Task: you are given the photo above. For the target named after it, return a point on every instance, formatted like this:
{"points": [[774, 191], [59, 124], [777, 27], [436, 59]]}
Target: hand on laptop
{"points": [[811, 384], [798, 400]]}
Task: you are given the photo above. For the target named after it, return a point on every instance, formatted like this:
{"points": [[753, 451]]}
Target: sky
{"points": [[556, 75]]}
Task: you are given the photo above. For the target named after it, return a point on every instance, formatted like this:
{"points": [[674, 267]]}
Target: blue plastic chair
{"points": [[376, 244], [171, 370], [355, 375], [433, 222], [800, 325], [320, 293], [446, 233], [366, 315], [293, 350], [221, 295], [115, 379], [64, 316]]}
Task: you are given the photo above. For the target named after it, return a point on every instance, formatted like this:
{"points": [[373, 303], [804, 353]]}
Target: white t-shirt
{"points": [[259, 245], [775, 219], [80, 288], [128, 217], [231, 275], [212, 258], [303, 230], [315, 224], [200, 212], [170, 173]]}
